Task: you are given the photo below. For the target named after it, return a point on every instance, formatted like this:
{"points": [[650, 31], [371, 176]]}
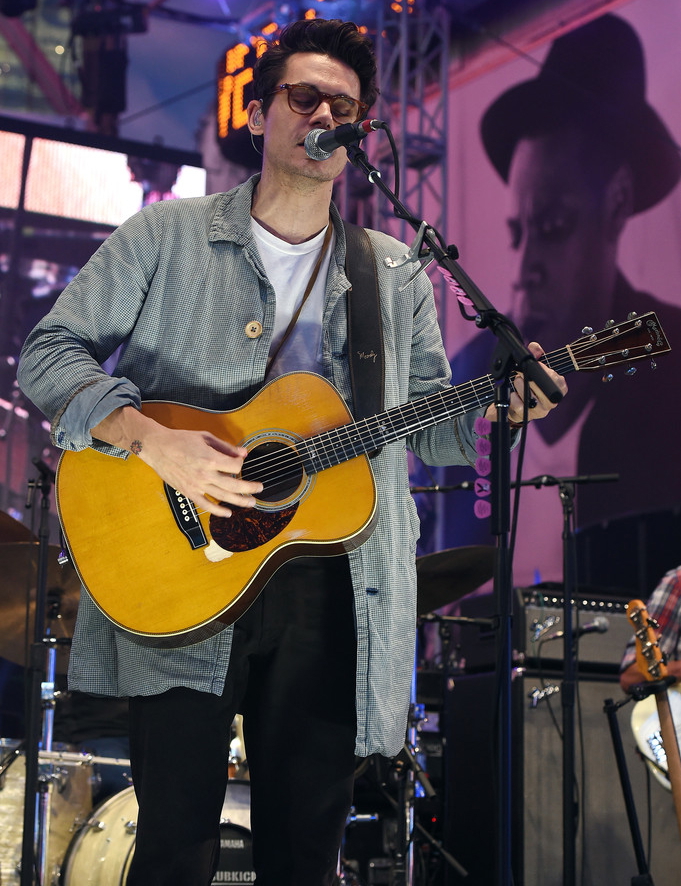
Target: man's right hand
{"points": [[196, 463]]}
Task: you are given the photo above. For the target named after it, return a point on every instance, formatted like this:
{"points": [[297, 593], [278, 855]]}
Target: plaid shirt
{"points": [[175, 288], [664, 606]]}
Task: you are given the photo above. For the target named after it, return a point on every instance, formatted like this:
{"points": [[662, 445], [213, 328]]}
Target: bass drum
{"points": [[101, 853]]}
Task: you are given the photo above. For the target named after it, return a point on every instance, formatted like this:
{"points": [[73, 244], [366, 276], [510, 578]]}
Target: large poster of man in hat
{"points": [[583, 154]]}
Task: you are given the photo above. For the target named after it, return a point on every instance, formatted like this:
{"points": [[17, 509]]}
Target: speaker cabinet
{"points": [[605, 852]]}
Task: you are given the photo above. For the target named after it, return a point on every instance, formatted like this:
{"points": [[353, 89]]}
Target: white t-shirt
{"points": [[289, 267]]}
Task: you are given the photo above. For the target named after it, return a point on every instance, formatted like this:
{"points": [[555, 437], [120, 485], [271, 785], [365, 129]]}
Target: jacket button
{"points": [[253, 329]]}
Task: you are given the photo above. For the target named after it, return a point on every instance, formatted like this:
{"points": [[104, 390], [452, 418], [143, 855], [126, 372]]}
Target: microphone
{"points": [[321, 143], [599, 625]]}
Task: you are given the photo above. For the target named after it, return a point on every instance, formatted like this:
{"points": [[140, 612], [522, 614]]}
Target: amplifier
{"points": [[537, 619], [605, 852]]}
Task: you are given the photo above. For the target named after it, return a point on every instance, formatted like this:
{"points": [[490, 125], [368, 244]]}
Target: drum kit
{"points": [[75, 844]]}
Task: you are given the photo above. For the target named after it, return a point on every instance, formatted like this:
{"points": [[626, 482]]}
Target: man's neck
{"points": [[292, 214]]}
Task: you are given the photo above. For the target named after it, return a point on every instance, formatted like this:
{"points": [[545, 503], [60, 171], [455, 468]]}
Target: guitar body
{"points": [[143, 572], [645, 724]]}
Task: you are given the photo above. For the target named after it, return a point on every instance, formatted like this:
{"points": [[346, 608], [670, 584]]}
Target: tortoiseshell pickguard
{"points": [[249, 528]]}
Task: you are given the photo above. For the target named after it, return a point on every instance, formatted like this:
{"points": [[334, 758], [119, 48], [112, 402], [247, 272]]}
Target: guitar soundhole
{"points": [[277, 466]]}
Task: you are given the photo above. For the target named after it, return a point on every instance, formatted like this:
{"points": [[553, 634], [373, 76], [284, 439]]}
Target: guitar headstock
{"points": [[649, 657], [633, 339]]}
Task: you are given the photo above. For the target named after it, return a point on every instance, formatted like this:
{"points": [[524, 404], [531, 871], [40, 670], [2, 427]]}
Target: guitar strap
{"points": [[365, 329]]}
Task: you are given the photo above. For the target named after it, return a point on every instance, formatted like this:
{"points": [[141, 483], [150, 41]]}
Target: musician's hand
{"points": [[197, 464], [539, 405], [200, 466], [632, 675]]}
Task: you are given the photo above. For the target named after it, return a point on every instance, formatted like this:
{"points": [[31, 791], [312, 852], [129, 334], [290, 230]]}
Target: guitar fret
{"points": [[369, 434]]}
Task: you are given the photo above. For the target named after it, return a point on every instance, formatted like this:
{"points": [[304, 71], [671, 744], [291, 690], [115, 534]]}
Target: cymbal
{"points": [[18, 576], [12, 530], [448, 575]]}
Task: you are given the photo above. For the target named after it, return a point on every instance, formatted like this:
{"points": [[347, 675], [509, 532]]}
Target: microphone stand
{"points": [[610, 708], [510, 355], [537, 482], [33, 856], [566, 489]]}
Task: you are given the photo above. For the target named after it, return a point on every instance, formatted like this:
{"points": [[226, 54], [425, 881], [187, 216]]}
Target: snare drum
{"points": [[101, 853]]}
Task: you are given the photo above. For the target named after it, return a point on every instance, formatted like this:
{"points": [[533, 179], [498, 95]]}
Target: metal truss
{"points": [[412, 49]]}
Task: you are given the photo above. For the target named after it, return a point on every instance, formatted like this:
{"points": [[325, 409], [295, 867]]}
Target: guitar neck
{"points": [[651, 663], [671, 748], [333, 447]]}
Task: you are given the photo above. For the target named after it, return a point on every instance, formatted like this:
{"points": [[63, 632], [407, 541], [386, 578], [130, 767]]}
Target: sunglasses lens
{"points": [[303, 99], [306, 100], [344, 110]]}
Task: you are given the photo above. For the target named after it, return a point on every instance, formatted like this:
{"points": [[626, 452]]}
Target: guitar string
{"points": [[352, 435], [558, 360]]}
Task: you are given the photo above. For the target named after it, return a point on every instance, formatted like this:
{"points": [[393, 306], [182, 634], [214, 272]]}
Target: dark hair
{"points": [[335, 38]]}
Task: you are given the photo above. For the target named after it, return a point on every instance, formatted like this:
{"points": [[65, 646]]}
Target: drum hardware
{"points": [[346, 872], [101, 851], [411, 779], [40, 600], [442, 578]]}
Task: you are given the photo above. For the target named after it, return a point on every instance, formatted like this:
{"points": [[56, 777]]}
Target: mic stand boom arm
{"points": [[511, 354]]}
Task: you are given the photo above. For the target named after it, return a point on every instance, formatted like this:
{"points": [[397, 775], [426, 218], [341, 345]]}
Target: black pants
{"points": [[292, 675]]}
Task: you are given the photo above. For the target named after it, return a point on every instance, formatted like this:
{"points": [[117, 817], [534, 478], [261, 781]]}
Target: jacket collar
{"points": [[232, 217]]}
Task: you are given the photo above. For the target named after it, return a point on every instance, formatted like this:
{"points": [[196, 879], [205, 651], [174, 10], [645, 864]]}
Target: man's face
{"points": [[284, 131], [565, 246]]}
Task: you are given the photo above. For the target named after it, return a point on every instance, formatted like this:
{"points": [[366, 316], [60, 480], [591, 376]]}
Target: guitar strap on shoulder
{"points": [[365, 329]]}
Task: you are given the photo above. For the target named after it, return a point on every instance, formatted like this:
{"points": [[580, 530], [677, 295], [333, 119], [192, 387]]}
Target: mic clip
{"points": [[416, 253]]}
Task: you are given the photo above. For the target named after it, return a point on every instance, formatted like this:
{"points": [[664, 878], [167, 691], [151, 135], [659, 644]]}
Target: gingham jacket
{"points": [[173, 289]]}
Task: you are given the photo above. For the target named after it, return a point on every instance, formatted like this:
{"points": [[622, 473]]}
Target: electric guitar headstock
{"points": [[649, 656]]}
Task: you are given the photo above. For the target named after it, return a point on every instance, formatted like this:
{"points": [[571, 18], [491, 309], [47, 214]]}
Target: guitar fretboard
{"points": [[333, 447]]}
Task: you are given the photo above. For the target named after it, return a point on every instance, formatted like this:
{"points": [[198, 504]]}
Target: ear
{"points": [[255, 117], [619, 200]]}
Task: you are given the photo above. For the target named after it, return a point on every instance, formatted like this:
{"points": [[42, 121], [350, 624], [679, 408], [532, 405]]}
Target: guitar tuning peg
{"points": [[631, 315], [607, 377], [653, 364], [587, 330], [609, 324], [631, 370]]}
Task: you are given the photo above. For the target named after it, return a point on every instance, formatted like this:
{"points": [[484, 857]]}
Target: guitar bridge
{"points": [[186, 517]]}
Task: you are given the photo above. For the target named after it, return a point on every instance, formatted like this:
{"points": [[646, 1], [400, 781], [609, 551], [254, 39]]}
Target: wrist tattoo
{"points": [[136, 447]]}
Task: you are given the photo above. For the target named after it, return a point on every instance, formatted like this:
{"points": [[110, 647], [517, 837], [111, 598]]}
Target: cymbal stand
{"points": [[412, 782], [33, 859]]}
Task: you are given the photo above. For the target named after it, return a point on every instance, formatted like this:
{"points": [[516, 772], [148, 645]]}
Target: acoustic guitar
{"points": [[650, 661], [172, 576]]}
